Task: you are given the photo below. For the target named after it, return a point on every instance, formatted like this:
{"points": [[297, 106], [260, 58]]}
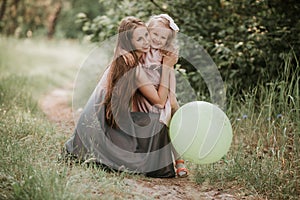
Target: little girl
{"points": [[162, 30]]}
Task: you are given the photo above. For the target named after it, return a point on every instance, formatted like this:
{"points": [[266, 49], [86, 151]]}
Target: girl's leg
{"points": [[181, 169]]}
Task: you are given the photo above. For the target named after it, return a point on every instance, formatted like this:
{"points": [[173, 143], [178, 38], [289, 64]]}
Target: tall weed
{"points": [[264, 156]]}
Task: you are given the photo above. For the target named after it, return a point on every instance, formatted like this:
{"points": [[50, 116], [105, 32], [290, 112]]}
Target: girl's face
{"points": [[159, 36], [140, 40]]}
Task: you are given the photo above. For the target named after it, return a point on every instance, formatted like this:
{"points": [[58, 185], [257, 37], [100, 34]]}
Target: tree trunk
{"points": [[13, 17], [52, 19], [2, 9]]}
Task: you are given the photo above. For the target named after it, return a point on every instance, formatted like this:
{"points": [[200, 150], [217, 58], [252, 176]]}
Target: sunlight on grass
{"points": [[29, 144], [44, 62]]}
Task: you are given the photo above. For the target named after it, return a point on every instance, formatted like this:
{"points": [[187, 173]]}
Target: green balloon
{"points": [[201, 132]]}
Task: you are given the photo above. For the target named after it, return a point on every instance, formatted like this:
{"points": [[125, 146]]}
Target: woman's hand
{"points": [[128, 57]]}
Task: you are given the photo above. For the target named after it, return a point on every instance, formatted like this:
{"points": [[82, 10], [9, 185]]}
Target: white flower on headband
{"points": [[172, 24]]}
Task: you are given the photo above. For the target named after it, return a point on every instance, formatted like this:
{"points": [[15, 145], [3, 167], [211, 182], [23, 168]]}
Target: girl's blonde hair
{"points": [[164, 20]]}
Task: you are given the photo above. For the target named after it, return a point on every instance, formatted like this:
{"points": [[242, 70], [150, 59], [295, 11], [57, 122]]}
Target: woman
{"points": [[108, 132]]}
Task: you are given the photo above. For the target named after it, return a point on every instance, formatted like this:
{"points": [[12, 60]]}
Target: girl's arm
{"points": [[159, 96]]}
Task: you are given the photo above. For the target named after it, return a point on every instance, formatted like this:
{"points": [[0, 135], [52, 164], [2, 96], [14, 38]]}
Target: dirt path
{"points": [[56, 105]]}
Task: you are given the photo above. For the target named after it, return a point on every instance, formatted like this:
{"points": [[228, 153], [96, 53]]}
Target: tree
{"points": [[26, 17], [2, 9], [52, 18]]}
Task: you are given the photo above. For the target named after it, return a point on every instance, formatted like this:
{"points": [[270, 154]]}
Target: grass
{"points": [[263, 161], [30, 146], [265, 153], [25, 145]]}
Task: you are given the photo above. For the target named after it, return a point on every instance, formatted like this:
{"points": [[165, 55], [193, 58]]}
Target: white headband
{"points": [[172, 24]]}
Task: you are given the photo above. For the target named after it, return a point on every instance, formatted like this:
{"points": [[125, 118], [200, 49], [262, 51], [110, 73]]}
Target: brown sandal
{"points": [[181, 170]]}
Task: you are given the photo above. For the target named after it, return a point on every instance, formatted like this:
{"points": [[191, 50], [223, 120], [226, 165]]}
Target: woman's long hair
{"points": [[121, 77]]}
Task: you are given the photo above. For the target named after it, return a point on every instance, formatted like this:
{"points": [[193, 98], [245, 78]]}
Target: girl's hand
{"points": [[170, 59]]}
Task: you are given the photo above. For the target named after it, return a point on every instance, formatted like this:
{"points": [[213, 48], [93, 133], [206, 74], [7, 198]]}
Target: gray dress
{"points": [[140, 144]]}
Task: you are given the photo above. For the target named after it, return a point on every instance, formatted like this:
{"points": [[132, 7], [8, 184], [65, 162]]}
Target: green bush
{"points": [[246, 39]]}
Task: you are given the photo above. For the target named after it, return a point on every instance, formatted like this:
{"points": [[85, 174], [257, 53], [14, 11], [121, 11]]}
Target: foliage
{"points": [[68, 26], [246, 39], [105, 25]]}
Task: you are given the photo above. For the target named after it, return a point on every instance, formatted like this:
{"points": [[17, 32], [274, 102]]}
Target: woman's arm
{"points": [[157, 97]]}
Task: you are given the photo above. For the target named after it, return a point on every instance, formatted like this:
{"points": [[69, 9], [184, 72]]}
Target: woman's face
{"points": [[159, 36], [141, 40]]}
